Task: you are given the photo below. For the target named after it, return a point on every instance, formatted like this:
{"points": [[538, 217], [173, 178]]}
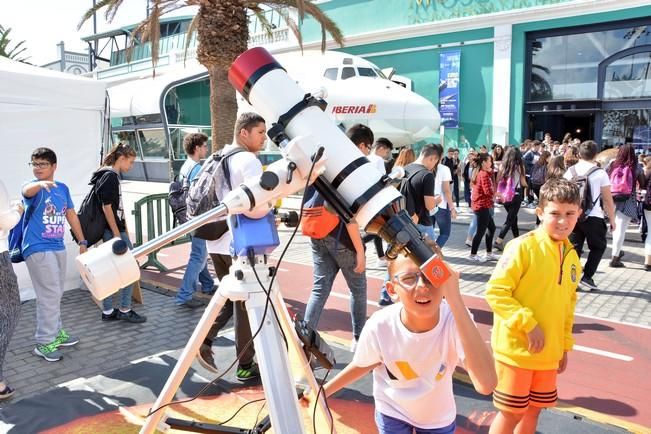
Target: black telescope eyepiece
{"points": [[290, 218], [120, 247]]}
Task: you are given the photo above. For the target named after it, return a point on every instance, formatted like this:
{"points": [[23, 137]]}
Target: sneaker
{"points": [[251, 372], [382, 262], [131, 316], [385, 302], [499, 246], [6, 393], [531, 206], [49, 352], [113, 316], [647, 267], [621, 254], [63, 339], [477, 258], [616, 262], [210, 291], [191, 304], [588, 283], [492, 256], [206, 358], [468, 243]]}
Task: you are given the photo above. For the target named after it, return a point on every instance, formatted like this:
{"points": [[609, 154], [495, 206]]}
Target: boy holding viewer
{"points": [[532, 293], [412, 347]]}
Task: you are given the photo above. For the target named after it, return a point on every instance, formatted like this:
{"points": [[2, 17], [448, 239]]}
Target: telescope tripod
{"points": [[273, 357]]}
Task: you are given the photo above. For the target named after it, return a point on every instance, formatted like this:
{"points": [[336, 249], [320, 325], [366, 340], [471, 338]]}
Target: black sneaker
{"points": [[385, 302], [206, 358], [191, 304], [588, 283], [113, 316], [131, 316]]}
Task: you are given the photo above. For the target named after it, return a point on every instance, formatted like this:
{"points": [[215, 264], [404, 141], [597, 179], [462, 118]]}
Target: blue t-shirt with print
{"points": [[47, 222]]}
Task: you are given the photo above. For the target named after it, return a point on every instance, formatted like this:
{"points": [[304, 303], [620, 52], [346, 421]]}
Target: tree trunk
{"points": [[223, 108]]}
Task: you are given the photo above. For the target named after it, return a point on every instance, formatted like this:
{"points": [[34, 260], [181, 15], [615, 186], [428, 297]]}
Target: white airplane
{"points": [[356, 90]]}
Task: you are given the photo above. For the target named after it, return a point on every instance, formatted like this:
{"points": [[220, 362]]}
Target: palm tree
{"points": [[223, 34], [11, 53]]}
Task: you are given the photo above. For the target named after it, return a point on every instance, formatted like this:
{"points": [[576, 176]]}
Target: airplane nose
{"points": [[421, 116]]}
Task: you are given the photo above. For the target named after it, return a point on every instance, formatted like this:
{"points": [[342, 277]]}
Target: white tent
{"points": [[40, 107]]}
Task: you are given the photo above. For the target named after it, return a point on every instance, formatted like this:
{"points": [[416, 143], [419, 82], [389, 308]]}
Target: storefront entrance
{"points": [[580, 125]]}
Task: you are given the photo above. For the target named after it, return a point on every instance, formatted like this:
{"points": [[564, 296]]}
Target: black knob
{"points": [[268, 181], [272, 271], [239, 275], [120, 247]]}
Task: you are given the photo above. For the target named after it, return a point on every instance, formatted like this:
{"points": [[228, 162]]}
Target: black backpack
{"points": [[91, 215], [408, 201], [587, 202], [177, 197]]}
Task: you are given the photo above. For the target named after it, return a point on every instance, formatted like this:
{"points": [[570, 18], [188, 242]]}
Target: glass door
{"points": [[627, 126]]}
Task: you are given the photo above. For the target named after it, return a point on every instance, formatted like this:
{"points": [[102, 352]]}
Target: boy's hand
{"points": [[536, 340], [82, 249], [563, 363], [360, 262], [47, 185], [450, 288]]}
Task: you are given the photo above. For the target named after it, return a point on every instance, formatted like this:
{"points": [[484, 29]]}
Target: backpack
{"points": [[538, 174], [15, 238], [408, 202], [587, 202], [621, 183], [178, 196], [646, 200], [505, 190], [91, 215], [202, 194], [317, 222]]}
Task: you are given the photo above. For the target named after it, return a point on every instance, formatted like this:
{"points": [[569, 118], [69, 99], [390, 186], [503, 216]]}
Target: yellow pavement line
{"points": [[591, 415]]}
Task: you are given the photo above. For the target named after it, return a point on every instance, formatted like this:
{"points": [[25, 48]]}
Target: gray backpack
{"points": [[202, 194]]}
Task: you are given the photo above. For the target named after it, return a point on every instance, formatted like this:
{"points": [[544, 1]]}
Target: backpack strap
{"points": [[222, 158]]}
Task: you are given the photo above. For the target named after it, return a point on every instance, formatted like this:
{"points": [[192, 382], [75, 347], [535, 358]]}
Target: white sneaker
{"points": [[492, 257], [381, 262], [477, 258], [353, 345]]}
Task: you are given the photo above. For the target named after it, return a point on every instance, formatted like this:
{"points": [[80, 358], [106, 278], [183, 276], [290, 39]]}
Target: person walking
{"points": [[483, 193], [512, 176], [624, 175]]}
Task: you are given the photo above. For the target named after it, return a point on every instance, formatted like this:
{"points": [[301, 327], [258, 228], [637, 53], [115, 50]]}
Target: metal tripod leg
{"points": [[184, 362]]}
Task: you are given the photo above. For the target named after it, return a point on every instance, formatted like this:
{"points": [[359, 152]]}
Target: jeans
{"points": [[455, 189], [330, 256], [512, 208], [485, 224], [593, 230], [125, 293], [429, 230], [197, 269], [391, 425], [467, 191], [443, 219]]}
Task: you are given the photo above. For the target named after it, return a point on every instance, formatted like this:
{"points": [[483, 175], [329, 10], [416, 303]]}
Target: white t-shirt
{"points": [[243, 167], [378, 162], [597, 180], [442, 174], [414, 381], [187, 169]]}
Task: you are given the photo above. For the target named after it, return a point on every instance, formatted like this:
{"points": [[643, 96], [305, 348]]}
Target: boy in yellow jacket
{"points": [[532, 293]]}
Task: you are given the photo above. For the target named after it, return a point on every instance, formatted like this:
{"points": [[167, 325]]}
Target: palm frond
{"points": [[90, 12], [262, 18], [188, 36], [293, 26]]}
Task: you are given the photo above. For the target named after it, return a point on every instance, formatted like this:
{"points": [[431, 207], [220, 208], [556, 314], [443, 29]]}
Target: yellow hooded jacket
{"points": [[534, 283]]}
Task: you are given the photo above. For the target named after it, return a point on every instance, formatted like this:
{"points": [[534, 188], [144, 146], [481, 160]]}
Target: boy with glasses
{"points": [[412, 347], [48, 206]]}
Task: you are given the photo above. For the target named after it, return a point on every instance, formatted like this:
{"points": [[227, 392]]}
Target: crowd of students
{"points": [[413, 346]]}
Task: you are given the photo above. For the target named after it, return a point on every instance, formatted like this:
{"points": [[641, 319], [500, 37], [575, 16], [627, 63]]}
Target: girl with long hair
{"points": [[405, 157], [483, 193], [539, 172], [555, 168], [626, 208], [119, 160], [512, 173], [571, 156]]}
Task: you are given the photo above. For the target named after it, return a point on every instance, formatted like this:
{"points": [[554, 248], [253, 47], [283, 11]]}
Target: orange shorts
{"points": [[518, 388]]}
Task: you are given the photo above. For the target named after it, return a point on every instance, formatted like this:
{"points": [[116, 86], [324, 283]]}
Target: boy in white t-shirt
{"points": [[445, 211], [412, 347]]}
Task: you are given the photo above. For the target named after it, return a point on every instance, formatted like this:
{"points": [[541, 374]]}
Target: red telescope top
{"points": [[249, 67]]}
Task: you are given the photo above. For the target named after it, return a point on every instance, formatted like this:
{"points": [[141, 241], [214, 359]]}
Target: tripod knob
{"points": [[239, 275], [269, 181], [272, 271]]}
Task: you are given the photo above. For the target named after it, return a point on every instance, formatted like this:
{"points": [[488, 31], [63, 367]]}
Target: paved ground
{"points": [[624, 296]]}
